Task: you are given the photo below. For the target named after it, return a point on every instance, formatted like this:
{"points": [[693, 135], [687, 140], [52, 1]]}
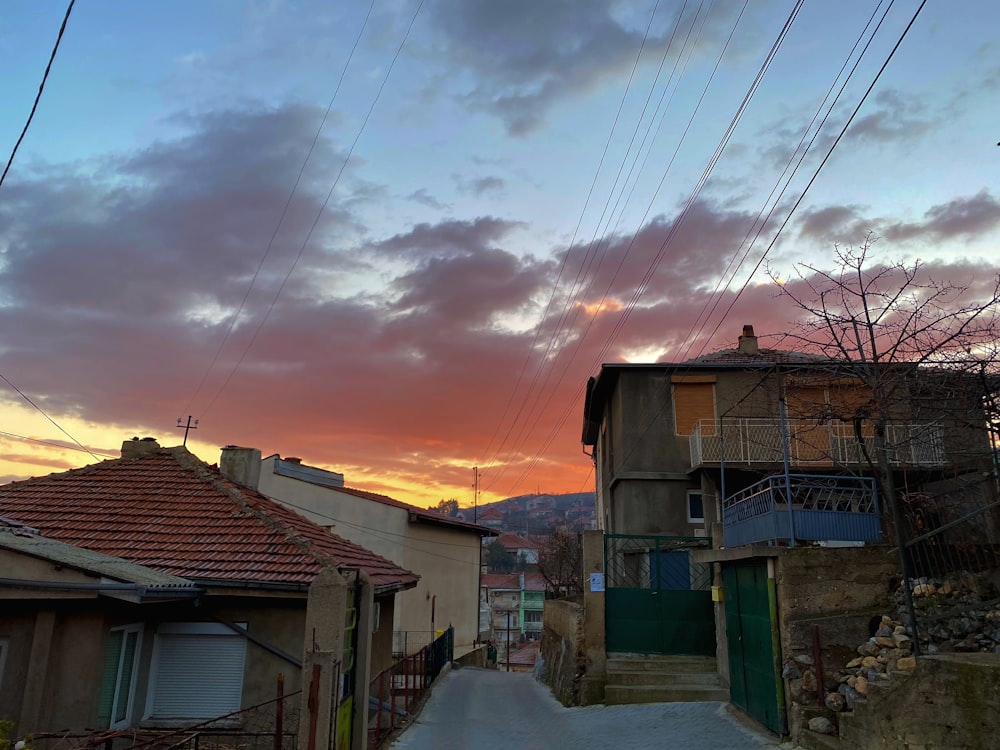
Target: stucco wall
{"points": [[446, 559]]}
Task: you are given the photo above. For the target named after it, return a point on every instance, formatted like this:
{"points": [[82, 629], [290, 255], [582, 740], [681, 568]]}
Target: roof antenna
{"points": [[187, 428]]}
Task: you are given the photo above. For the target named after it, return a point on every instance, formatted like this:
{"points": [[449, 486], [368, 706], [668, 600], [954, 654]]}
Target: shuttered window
{"points": [[198, 671], [694, 400]]}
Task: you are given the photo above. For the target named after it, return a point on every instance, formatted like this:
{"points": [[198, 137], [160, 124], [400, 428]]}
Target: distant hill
{"points": [[538, 513]]}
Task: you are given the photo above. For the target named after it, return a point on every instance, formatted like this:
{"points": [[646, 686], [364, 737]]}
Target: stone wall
{"points": [[950, 701], [841, 594], [477, 657], [562, 649]]}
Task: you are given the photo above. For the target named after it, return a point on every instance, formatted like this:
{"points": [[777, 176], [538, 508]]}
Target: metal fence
{"points": [[394, 692], [650, 562], [952, 532], [271, 725], [408, 642]]}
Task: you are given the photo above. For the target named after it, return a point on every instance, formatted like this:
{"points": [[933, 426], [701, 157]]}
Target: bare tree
{"points": [[560, 561], [919, 348]]}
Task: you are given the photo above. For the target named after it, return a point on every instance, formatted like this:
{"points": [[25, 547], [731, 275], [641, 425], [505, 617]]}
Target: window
{"points": [[694, 401], [695, 507], [197, 671], [121, 658]]}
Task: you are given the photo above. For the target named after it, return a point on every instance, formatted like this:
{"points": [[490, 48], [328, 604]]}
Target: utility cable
{"points": [[319, 214], [54, 444], [41, 87], [41, 411], [284, 210]]}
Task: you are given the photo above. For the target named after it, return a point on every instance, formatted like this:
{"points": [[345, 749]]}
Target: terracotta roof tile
{"points": [[174, 513]]}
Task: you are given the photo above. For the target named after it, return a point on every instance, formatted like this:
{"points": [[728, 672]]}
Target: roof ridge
{"points": [[215, 477]]}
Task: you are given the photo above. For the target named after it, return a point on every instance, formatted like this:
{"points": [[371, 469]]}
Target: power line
{"points": [[54, 444], [319, 214], [284, 210], [41, 87], [42, 412]]}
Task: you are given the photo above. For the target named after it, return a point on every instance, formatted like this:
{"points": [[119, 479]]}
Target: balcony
{"points": [[532, 627], [811, 443], [818, 508]]}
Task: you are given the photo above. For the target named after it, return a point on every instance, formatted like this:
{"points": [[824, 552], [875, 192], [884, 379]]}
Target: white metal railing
{"points": [[750, 441]]}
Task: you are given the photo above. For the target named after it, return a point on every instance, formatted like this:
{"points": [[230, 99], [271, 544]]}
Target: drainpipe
{"points": [[786, 458]]}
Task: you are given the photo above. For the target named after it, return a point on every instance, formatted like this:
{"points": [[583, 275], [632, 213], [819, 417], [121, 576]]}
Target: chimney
{"points": [[293, 460], [748, 342], [136, 448], [241, 465]]}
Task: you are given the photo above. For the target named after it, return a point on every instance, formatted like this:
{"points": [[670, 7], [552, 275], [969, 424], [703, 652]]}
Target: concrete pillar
{"points": [[326, 613], [34, 694], [363, 659], [594, 652]]}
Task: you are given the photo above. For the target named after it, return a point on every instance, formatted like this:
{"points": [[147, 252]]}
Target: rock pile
{"points": [[958, 613]]}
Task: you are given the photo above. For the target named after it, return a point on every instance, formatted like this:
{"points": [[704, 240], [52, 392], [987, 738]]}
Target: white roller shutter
{"points": [[199, 675]]}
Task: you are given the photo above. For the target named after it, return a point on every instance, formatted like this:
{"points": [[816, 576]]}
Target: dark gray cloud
{"points": [[424, 198], [525, 56], [480, 186], [960, 219], [833, 224]]}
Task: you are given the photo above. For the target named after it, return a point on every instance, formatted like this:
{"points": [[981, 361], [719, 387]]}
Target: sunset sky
{"points": [[527, 190]]}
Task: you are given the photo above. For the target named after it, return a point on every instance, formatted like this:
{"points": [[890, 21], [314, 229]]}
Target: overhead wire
{"points": [[655, 416], [42, 411], [319, 214], [41, 87], [607, 344], [487, 464], [284, 210], [54, 444]]}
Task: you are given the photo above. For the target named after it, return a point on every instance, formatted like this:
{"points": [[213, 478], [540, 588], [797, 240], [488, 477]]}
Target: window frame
{"points": [[687, 497], [135, 629]]}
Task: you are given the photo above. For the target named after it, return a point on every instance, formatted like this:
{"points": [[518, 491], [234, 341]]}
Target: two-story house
{"points": [[755, 452]]}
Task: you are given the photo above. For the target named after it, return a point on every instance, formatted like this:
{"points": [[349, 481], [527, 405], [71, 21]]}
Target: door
{"points": [[657, 599], [754, 684]]}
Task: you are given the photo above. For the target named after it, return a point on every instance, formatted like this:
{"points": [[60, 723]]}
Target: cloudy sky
{"points": [[395, 239]]}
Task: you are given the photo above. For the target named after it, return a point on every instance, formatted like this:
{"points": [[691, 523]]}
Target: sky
{"points": [[394, 239]]}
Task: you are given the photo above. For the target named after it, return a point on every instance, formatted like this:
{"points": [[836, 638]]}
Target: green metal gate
{"points": [[657, 600], [754, 683]]}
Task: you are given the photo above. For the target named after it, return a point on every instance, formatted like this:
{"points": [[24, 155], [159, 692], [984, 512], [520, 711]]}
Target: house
{"points": [[729, 484], [520, 547], [444, 551], [492, 518], [154, 591], [516, 602]]}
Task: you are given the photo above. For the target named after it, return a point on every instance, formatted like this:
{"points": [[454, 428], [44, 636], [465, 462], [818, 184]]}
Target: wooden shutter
{"points": [[694, 400]]}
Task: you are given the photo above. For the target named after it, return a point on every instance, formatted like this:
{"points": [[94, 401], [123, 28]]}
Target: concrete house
{"points": [[738, 499], [154, 591], [444, 552]]}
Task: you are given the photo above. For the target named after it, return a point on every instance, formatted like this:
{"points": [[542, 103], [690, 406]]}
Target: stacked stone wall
{"points": [[562, 650]]}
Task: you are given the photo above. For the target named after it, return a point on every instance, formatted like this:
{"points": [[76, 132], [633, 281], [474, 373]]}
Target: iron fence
{"points": [[395, 692], [952, 533]]}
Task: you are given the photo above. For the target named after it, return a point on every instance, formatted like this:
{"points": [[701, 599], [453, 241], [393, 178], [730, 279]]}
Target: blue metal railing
{"points": [[817, 508]]}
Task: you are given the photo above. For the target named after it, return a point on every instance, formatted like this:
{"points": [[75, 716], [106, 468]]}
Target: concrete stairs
{"points": [[648, 678]]}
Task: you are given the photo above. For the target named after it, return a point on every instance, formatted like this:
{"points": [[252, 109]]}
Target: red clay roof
{"points": [[174, 513], [513, 541]]}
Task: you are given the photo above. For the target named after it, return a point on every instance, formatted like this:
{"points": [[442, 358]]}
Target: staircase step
{"points": [[636, 662], [650, 677], [815, 741], [627, 694]]}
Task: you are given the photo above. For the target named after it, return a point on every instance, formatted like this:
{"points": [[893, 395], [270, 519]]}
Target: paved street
{"points": [[475, 709]]}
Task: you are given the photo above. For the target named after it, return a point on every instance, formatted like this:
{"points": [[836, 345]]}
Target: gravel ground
{"points": [[487, 709]]}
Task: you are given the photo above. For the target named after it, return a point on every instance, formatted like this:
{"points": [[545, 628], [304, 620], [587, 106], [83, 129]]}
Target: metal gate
{"points": [[753, 683], [657, 600]]}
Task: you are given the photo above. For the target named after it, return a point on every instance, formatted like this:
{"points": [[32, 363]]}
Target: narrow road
{"points": [[477, 709]]}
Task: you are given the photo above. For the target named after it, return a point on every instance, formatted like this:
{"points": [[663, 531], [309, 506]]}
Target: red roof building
{"points": [[166, 509]]}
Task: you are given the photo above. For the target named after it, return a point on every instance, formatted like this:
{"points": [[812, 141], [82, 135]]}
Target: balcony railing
{"points": [[532, 627], [818, 508], [810, 443]]}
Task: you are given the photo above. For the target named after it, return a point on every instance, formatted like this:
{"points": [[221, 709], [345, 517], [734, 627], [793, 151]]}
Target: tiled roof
{"points": [[513, 541], [67, 555], [176, 514], [500, 581], [733, 357], [526, 655]]}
